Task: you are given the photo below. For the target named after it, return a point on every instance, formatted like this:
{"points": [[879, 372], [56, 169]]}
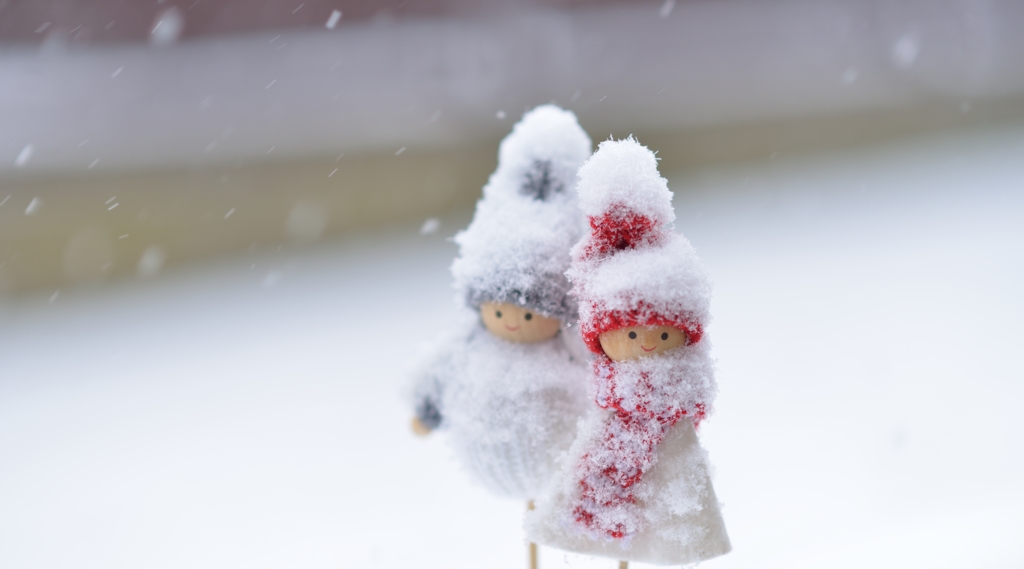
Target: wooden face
{"points": [[640, 341], [517, 324]]}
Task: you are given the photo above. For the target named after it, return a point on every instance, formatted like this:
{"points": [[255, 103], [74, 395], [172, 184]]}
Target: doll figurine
{"points": [[508, 388], [636, 484]]}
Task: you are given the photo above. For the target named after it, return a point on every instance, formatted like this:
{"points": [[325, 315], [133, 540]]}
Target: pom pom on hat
{"points": [[540, 157], [622, 176], [516, 249], [633, 269]]}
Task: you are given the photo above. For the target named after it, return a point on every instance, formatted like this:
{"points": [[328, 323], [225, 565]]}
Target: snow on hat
{"points": [[516, 249], [633, 269]]}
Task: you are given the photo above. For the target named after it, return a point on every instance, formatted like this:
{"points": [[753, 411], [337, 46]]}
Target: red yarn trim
{"points": [[605, 485], [643, 316], [617, 230]]}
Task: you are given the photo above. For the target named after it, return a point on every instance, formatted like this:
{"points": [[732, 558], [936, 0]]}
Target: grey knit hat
{"points": [[516, 249]]}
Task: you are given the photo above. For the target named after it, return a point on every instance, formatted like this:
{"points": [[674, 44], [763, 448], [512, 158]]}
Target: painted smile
{"points": [[646, 349], [511, 328]]}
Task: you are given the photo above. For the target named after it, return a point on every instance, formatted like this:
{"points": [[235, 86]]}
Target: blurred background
{"points": [[224, 234]]}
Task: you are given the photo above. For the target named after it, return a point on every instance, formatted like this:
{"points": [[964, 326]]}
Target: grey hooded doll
{"points": [[508, 388]]}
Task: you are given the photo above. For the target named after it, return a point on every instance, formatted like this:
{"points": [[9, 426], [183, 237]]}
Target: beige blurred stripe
{"points": [[74, 232], [97, 227]]}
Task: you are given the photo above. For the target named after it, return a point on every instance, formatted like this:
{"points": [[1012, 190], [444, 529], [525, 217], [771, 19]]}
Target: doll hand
{"points": [[426, 417], [419, 428]]}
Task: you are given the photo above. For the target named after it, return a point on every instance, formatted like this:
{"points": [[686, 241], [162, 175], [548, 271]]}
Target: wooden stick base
{"points": [[532, 548]]}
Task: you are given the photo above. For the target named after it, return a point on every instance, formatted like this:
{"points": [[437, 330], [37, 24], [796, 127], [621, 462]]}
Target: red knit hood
{"points": [[612, 232], [633, 269]]}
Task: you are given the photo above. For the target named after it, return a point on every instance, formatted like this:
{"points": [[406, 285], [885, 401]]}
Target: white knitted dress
{"points": [[509, 410], [684, 523]]}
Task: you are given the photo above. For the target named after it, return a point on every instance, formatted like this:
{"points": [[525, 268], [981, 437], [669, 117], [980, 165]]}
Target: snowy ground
{"points": [[867, 325]]}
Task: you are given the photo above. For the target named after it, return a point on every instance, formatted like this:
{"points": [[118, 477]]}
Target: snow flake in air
{"points": [[33, 206], [430, 226], [168, 27], [334, 19], [24, 156]]}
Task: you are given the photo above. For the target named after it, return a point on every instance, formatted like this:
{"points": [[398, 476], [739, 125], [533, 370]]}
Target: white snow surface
{"points": [[867, 308], [517, 247]]}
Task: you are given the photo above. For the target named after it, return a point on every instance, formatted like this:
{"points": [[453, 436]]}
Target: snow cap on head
{"points": [[633, 269], [516, 249]]}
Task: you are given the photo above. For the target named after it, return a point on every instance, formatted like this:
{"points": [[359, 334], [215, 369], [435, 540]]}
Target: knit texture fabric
{"points": [[509, 409], [516, 249]]}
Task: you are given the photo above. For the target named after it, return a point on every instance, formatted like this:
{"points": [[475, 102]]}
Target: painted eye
{"points": [[528, 316], [498, 314], [664, 335], [632, 335]]}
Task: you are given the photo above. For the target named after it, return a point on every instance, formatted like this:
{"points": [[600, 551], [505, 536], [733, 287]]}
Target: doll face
{"points": [[640, 341], [517, 324]]}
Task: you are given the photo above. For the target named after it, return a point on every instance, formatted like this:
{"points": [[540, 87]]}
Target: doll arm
{"points": [[428, 391], [427, 413]]}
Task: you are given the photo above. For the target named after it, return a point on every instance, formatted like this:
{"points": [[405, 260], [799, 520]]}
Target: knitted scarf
{"points": [[647, 396]]}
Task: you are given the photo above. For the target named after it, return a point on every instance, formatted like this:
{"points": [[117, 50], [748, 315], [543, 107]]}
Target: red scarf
{"points": [[625, 447]]}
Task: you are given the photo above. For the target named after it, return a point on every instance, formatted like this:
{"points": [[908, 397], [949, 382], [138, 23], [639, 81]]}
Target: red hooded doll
{"points": [[636, 484]]}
